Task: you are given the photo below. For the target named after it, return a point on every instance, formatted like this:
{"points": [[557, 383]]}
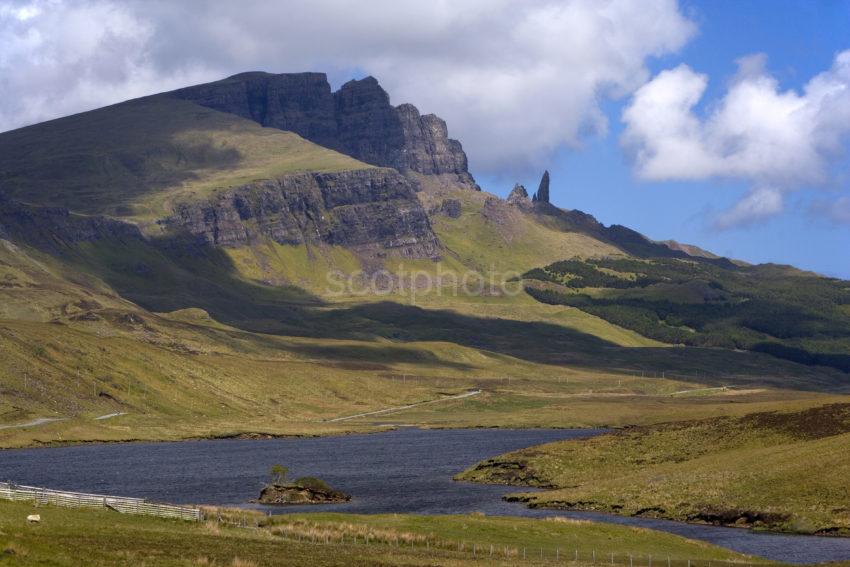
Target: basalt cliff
{"points": [[373, 211], [357, 120]]}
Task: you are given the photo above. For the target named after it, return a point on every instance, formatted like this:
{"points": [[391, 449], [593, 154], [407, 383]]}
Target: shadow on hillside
{"points": [[178, 273], [141, 145], [366, 357]]}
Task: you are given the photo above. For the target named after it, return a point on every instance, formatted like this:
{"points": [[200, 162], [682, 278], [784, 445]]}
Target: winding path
{"points": [[34, 423], [397, 408]]}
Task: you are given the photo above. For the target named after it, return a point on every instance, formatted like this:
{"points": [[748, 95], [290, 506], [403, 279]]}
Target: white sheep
{"points": [[34, 518]]}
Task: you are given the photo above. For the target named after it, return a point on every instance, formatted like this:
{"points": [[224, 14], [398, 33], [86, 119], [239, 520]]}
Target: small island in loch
{"points": [[304, 490]]}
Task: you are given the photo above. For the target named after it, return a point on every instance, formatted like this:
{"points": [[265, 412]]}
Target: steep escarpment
{"points": [[357, 120], [373, 211]]}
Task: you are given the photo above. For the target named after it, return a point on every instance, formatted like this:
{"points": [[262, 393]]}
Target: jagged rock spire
{"points": [[542, 194], [518, 195]]}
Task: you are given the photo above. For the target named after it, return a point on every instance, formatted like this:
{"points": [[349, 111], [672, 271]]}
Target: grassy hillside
{"points": [[490, 235], [778, 310], [168, 278], [134, 158], [204, 351], [755, 469], [107, 538], [197, 341], [188, 340]]}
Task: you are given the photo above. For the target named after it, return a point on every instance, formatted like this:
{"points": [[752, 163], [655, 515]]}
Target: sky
{"points": [[724, 124]]}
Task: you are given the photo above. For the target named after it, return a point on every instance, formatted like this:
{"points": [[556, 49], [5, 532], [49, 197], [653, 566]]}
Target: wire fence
{"points": [[123, 504], [492, 551], [346, 534]]}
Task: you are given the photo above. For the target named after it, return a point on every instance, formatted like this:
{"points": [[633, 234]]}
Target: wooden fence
{"points": [[123, 504]]}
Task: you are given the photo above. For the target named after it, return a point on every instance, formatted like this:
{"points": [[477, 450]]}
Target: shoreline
{"points": [[265, 435]]}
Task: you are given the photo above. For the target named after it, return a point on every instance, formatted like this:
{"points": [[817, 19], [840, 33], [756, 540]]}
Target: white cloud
{"points": [[779, 141], [760, 203], [513, 80]]}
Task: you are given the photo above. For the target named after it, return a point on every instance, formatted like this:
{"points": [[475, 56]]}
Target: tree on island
{"points": [[278, 474]]}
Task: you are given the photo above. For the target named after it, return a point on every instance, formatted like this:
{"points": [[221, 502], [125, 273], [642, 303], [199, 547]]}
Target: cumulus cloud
{"points": [[778, 140], [514, 80]]}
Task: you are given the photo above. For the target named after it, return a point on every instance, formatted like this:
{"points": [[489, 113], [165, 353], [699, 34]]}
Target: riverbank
{"points": [[777, 471], [406, 471]]}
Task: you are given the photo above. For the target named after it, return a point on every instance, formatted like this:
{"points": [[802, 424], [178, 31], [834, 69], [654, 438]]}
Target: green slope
{"points": [[791, 314], [134, 158], [758, 469]]}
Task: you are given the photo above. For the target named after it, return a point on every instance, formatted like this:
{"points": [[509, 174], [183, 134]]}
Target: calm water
{"points": [[404, 471]]}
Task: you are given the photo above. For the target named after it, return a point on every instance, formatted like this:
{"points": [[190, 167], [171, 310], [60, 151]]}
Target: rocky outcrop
{"points": [[518, 196], [427, 147], [301, 493], [357, 120], [542, 195], [450, 208], [373, 211]]}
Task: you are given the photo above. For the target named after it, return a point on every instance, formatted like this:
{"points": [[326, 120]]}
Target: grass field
{"points": [[782, 471], [66, 536]]}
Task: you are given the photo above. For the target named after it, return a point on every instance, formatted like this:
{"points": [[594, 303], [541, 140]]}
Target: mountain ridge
{"points": [[159, 246], [357, 120]]}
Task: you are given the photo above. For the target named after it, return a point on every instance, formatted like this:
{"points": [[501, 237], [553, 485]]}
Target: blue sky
{"points": [[800, 40], [640, 109]]}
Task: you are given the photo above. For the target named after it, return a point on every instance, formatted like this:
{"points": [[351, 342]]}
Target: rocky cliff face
{"points": [[373, 211], [298, 102], [357, 120]]}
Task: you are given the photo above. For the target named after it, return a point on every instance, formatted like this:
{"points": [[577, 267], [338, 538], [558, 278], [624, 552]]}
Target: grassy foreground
{"points": [[771, 470], [68, 537]]}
